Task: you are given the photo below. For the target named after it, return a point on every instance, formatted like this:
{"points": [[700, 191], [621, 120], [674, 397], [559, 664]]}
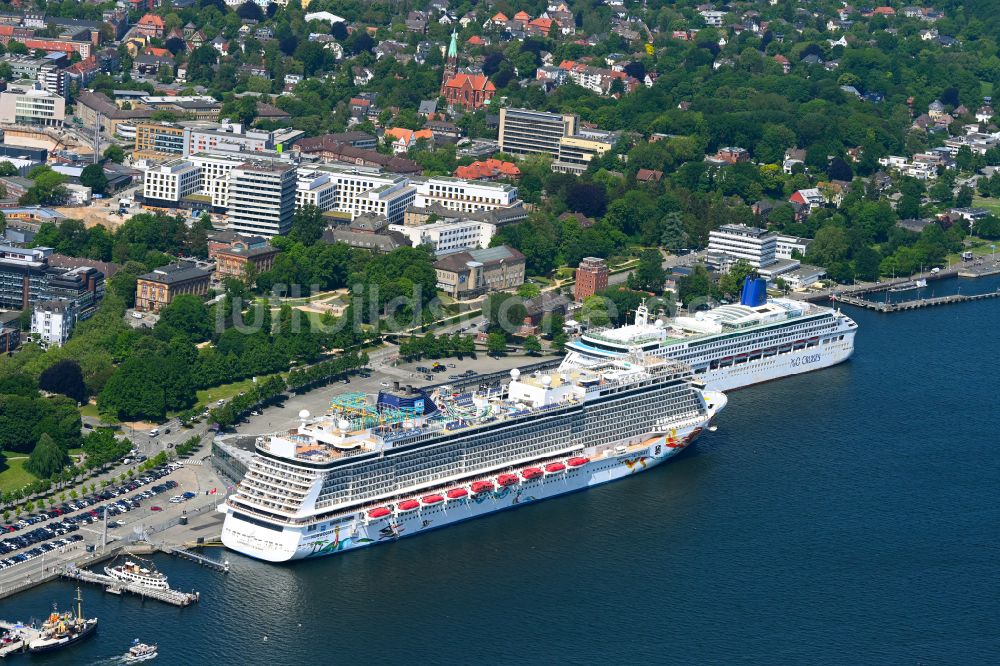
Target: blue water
{"points": [[849, 516]]}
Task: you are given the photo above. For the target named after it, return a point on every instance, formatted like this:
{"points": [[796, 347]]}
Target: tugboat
{"points": [[139, 652], [130, 572], [64, 629]]}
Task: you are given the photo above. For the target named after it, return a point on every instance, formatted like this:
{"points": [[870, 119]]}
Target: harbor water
{"points": [[845, 516]]}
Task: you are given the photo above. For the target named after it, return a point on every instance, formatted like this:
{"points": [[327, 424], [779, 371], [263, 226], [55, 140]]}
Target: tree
{"points": [[47, 459], [649, 274], [7, 169], [532, 345], [496, 343], [47, 188], [114, 153], [529, 290], [187, 314], [93, 177], [732, 282], [250, 10], [964, 197], [64, 377], [698, 285], [595, 311], [308, 225]]}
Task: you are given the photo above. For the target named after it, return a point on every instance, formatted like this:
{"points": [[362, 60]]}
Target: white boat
{"points": [[130, 572], [730, 346], [373, 471], [139, 652]]}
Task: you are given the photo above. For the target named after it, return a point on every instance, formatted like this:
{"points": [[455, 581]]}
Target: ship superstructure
{"points": [[730, 346], [374, 470]]}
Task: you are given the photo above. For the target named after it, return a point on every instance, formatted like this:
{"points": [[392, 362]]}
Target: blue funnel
{"points": [[754, 292]]}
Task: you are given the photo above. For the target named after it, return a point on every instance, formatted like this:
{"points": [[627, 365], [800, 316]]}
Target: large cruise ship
{"points": [[375, 469], [730, 346]]}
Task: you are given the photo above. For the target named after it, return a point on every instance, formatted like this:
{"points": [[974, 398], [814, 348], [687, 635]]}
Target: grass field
{"points": [[13, 474], [224, 392], [989, 203], [90, 410]]}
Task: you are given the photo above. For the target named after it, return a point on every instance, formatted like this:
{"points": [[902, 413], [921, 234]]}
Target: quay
{"points": [[175, 597], [915, 304], [25, 634]]}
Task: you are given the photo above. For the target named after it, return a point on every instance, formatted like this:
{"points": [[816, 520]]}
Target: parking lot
{"points": [[55, 527]]}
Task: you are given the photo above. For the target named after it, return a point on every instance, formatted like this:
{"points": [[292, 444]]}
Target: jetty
{"points": [[915, 304], [196, 558], [175, 597], [22, 635]]}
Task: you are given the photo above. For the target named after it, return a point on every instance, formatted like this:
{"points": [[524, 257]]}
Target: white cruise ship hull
{"points": [[358, 530], [768, 368]]}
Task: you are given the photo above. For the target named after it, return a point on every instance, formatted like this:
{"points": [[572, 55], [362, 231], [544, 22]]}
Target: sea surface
{"points": [[848, 516]]}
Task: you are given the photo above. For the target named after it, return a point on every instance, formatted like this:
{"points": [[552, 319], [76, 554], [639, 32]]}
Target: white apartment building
{"points": [[463, 195], [785, 245], [52, 322], [261, 197], [171, 181], [713, 18], [390, 201], [448, 237], [28, 103], [233, 138], [742, 242], [315, 188]]}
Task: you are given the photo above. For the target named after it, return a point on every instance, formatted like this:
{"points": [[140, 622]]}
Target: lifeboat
{"points": [[408, 505], [433, 499], [457, 493], [379, 512], [552, 468], [482, 486], [576, 462], [506, 479], [531, 473]]}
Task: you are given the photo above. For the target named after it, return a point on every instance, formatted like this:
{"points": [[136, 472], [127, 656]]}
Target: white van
{"points": [[154, 432]]}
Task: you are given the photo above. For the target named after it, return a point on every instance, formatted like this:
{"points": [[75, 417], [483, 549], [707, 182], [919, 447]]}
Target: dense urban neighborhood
{"points": [[250, 197]]}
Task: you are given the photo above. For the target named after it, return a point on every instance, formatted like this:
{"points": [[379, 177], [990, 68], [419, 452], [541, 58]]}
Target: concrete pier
{"points": [[915, 304], [175, 597]]}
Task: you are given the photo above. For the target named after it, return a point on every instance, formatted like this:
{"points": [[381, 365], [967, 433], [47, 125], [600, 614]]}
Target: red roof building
{"points": [[469, 91], [150, 25], [490, 169]]}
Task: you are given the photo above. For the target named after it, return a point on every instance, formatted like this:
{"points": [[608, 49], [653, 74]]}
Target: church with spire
{"points": [[469, 90]]}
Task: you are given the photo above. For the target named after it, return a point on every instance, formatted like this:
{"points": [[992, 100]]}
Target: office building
{"points": [[464, 275], [158, 140], [52, 322], [315, 188], [22, 276], [27, 103], [261, 198], [576, 152], [170, 182], [527, 132], [591, 277], [463, 195], [82, 284], [156, 290], [738, 241], [447, 237]]}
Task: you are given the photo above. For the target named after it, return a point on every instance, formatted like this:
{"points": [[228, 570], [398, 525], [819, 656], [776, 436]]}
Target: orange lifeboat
{"points": [[506, 479], [552, 468], [408, 505], [576, 462], [481, 486], [433, 499], [457, 493], [531, 473], [379, 512]]}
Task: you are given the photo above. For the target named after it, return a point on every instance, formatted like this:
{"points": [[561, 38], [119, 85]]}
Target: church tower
{"points": [[451, 61]]}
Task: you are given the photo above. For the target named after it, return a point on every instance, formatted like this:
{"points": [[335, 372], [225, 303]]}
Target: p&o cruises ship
{"points": [[730, 346], [372, 471]]}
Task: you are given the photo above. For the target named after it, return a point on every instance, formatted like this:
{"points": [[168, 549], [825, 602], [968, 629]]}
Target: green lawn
{"points": [[223, 392], [989, 203], [90, 410], [13, 474], [986, 88]]}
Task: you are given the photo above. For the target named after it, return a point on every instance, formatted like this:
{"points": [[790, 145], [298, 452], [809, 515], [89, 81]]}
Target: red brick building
{"points": [[591, 277]]}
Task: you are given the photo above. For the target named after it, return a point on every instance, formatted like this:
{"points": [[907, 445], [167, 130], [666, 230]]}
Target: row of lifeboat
{"points": [[503, 480]]}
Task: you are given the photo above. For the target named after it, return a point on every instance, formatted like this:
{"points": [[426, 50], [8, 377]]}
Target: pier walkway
{"points": [[175, 597], [915, 304], [24, 635], [196, 558]]}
